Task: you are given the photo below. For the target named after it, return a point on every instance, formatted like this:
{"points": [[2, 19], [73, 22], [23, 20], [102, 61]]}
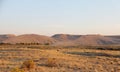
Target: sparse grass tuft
{"points": [[17, 70], [28, 65], [51, 62]]}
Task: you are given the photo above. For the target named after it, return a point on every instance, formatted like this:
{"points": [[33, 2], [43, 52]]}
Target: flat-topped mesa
{"points": [[95, 40], [93, 35], [114, 36], [65, 37]]}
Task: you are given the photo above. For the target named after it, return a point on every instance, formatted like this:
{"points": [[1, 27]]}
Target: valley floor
{"points": [[65, 59]]}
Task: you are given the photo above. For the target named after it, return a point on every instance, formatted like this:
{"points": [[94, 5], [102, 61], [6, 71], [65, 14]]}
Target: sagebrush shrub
{"points": [[51, 62], [17, 70], [29, 64]]}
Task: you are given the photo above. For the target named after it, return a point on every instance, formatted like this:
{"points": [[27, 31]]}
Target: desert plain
{"points": [[49, 58]]}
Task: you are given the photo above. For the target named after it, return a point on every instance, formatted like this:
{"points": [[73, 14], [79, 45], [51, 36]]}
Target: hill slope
{"points": [[30, 38], [65, 39], [5, 37], [61, 39], [95, 40]]}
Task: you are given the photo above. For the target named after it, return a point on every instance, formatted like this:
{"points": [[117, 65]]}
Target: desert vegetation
{"points": [[26, 66], [47, 58]]}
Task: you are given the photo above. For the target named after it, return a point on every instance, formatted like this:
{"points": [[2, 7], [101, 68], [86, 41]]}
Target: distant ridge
{"points": [[65, 37], [30, 38], [5, 37], [116, 37], [95, 40], [61, 39]]}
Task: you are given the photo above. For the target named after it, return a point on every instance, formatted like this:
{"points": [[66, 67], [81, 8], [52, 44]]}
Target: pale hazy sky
{"points": [[48, 17]]}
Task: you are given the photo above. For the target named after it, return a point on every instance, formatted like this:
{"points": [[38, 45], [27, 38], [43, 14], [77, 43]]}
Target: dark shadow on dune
{"points": [[93, 54]]}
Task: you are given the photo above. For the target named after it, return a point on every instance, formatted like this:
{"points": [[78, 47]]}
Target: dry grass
{"points": [[58, 59], [28, 65], [17, 70], [51, 62]]}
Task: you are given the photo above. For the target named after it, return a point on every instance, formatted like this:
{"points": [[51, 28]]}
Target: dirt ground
{"points": [[65, 59]]}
